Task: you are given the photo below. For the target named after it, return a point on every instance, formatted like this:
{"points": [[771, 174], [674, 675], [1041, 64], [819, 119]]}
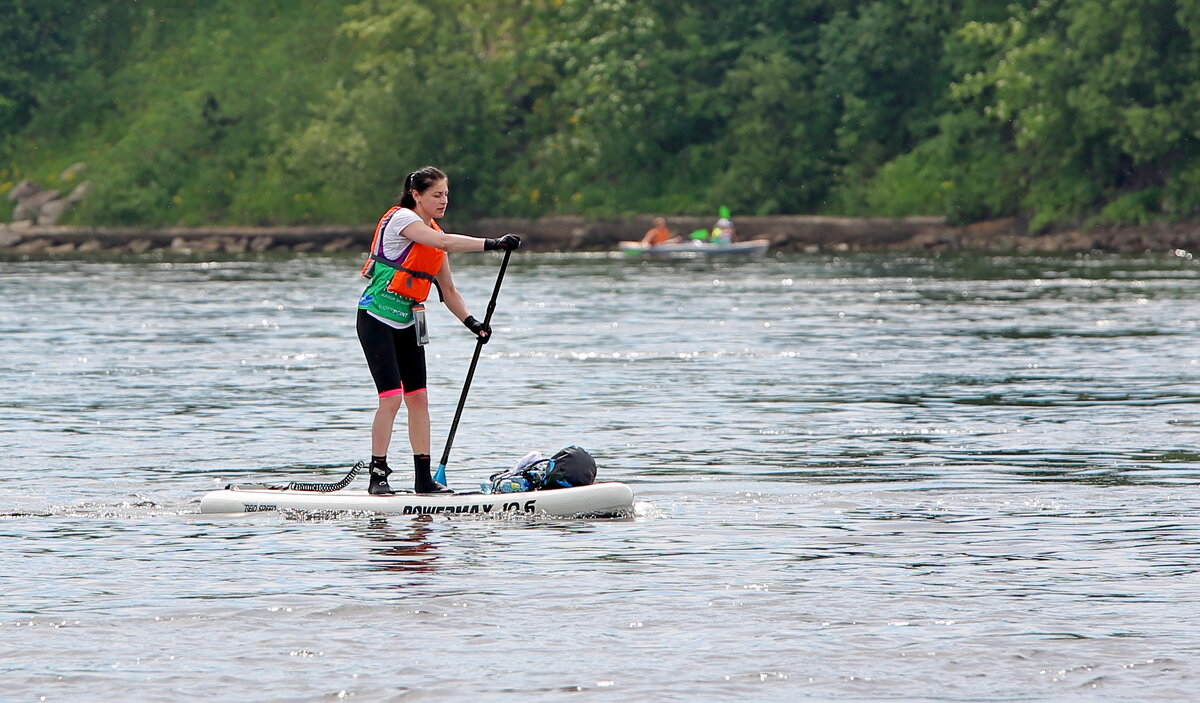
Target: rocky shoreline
{"points": [[812, 234]]}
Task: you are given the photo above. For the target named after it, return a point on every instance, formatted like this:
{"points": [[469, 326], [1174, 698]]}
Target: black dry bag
{"points": [[572, 466]]}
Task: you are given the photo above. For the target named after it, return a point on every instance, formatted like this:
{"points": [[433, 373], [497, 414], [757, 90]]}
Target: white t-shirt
{"points": [[393, 246], [393, 241]]}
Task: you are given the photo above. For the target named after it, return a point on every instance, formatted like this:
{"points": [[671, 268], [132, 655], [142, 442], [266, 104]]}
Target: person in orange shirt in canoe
{"points": [[659, 234]]}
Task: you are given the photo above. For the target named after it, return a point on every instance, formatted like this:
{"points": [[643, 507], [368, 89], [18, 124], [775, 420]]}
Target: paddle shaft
{"points": [[440, 477]]}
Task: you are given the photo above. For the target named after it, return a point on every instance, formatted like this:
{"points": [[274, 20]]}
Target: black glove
{"points": [[482, 332], [508, 242]]}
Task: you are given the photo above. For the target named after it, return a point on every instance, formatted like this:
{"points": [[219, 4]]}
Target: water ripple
{"points": [[858, 478]]}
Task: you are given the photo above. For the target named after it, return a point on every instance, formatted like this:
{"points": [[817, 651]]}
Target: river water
{"points": [[858, 478]]}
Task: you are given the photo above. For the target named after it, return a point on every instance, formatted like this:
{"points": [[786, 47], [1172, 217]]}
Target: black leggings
{"points": [[396, 361]]}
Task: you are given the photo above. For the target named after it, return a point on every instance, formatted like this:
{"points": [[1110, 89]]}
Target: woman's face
{"points": [[434, 200]]}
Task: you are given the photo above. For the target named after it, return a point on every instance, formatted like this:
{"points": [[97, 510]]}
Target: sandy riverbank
{"points": [[786, 233]]}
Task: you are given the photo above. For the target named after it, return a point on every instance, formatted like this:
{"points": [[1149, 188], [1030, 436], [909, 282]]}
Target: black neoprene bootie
{"points": [[379, 473], [422, 481]]}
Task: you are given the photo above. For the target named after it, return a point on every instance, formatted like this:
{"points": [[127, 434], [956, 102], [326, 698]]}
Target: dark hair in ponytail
{"points": [[419, 180]]}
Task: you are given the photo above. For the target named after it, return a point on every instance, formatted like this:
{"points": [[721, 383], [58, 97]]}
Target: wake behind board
{"points": [[608, 499]]}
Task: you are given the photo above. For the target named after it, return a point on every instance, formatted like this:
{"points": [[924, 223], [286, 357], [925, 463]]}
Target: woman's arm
{"points": [[454, 300], [424, 234]]}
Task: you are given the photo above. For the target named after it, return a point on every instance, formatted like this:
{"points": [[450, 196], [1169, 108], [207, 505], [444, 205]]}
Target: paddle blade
{"points": [[440, 476]]}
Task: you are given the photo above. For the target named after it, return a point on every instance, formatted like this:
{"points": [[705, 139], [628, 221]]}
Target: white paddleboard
{"points": [[607, 499]]}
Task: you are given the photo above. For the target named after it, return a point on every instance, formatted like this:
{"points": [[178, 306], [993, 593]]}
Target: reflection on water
{"points": [[859, 478], [403, 545]]}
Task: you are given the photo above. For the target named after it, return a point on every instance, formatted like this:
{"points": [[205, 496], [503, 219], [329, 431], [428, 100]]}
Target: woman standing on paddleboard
{"points": [[408, 258]]}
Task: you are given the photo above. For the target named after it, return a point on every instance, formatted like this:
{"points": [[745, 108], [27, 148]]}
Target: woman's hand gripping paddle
{"points": [[440, 476]]}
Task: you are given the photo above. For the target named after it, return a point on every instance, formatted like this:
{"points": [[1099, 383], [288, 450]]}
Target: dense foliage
{"points": [[270, 111]]}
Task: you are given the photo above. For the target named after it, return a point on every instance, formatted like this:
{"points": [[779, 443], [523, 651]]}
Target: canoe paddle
{"points": [[440, 476]]}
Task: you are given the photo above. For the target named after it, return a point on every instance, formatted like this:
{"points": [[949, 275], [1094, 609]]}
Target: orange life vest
{"points": [[658, 235], [414, 273]]}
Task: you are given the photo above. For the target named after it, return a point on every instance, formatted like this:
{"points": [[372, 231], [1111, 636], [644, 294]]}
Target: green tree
{"points": [[1100, 101], [39, 47]]}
